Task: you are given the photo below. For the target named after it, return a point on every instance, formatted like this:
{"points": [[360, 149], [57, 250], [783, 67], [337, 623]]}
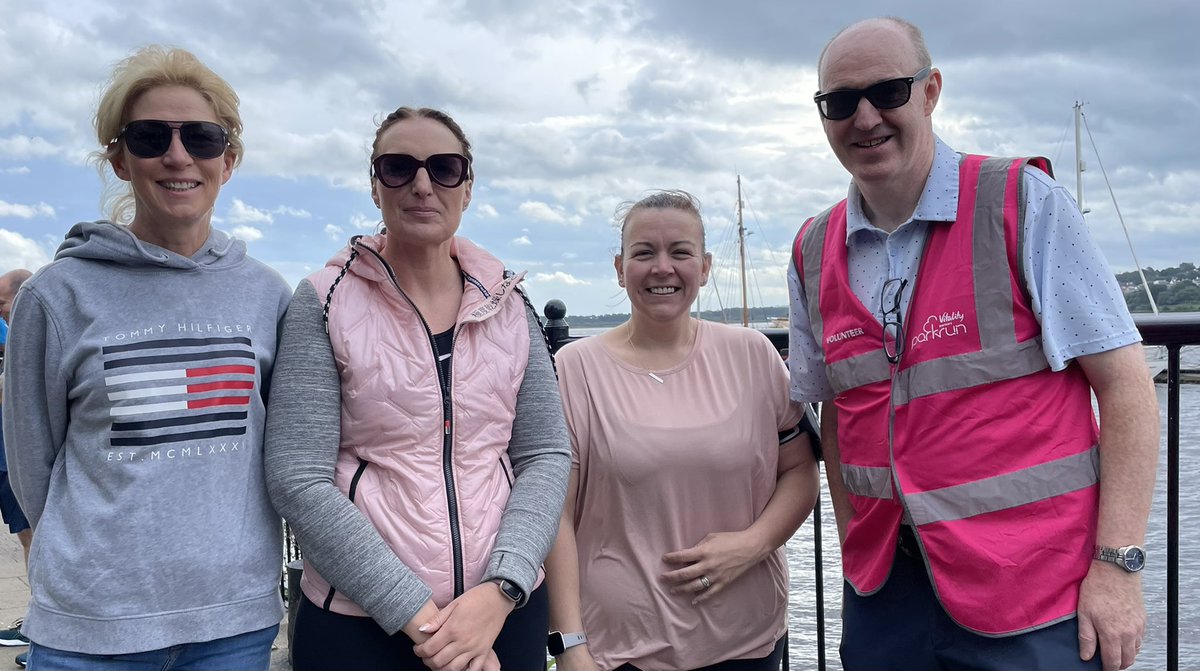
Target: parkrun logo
{"points": [[945, 325]]}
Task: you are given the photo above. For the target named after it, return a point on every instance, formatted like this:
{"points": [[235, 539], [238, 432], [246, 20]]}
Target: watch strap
{"points": [[1131, 558]]}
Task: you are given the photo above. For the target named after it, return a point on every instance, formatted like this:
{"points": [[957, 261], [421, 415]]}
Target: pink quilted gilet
{"points": [[392, 415]]}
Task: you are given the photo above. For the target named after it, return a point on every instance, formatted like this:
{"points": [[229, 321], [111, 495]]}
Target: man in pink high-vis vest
{"points": [[954, 318]]}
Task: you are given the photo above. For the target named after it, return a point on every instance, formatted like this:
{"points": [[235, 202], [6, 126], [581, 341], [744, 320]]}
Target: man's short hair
{"points": [[915, 37]]}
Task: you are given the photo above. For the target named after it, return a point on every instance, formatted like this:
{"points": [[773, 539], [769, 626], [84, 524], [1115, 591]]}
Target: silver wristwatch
{"points": [[1131, 557]]}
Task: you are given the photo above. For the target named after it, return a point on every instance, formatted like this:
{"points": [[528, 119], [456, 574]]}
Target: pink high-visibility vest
{"points": [[970, 437]]}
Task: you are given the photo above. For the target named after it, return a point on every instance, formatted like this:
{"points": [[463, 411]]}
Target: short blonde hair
{"points": [[147, 68]]}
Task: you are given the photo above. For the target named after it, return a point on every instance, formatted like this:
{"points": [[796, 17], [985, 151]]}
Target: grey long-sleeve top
{"points": [[302, 442]]}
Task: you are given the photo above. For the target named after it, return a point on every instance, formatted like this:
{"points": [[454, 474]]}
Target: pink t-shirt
{"points": [[660, 466]]}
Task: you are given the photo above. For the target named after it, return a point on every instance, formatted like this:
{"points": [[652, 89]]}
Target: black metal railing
{"points": [[1171, 330]]}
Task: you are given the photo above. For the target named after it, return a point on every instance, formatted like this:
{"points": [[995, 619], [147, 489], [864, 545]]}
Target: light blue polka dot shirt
{"points": [[1074, 293]]}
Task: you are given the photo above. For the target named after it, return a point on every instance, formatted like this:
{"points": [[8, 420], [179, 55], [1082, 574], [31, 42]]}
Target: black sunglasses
{"points": [[885, 95], [150, 138], [889, 305], [396, 170]]}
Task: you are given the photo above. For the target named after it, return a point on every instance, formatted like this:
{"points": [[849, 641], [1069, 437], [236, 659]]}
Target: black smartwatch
{"points": [[1131, 557], [558, 642], [510, 590]]}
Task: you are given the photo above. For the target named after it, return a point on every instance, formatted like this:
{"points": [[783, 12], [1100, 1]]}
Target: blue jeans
{"points": [[245, 652]]}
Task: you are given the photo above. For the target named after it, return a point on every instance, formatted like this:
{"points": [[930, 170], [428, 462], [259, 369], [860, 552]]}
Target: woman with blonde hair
{"points": [[135, 400]]}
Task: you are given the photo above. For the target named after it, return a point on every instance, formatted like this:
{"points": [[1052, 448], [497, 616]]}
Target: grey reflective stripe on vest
{"points": [[963, 371], [1000, 357], [811, 246], [847, 373], [993, 288], [1001, 492], [873, 482], [858, 370]]}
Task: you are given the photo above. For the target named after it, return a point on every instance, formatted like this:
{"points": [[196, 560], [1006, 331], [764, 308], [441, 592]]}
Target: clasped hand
{"points": [[462, 634]]}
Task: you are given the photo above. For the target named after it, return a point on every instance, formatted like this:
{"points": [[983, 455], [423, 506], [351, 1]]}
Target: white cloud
{"points": [[247, 233], [554, 214], [559, 278], [362, 222], [292, 212], [613, 101], [522, 241], [18, 251], [335, 233], [23, 146], [241, 213], [25, 211], [486, 211], [19, 170]]}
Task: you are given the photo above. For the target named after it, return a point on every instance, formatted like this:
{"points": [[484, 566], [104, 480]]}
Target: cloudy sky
{"points": [[574, 107]]}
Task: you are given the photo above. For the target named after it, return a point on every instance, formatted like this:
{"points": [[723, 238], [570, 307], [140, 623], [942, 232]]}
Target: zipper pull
{"points": [[446, 427]]}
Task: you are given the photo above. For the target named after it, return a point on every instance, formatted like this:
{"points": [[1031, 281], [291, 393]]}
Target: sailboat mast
{"points": [[742, 253], [1079, 166]]}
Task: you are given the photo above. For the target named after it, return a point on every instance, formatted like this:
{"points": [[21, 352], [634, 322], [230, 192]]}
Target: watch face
{"points": [[1134, 559], [511, 591], [555, 644]]}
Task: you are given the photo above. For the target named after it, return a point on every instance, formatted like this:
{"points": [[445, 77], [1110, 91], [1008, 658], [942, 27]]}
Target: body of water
{"points": [[802, 611]]}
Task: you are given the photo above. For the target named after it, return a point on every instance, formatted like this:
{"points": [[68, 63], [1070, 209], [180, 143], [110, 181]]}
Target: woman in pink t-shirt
{"points": [[691, 468]]}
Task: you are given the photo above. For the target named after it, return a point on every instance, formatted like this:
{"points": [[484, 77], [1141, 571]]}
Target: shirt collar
{"points": [[939, 200]]}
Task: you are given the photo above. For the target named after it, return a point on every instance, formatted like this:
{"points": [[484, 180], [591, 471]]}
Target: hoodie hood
{"points": [[106, 241]]}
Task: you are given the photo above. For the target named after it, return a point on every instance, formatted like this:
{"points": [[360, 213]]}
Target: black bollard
{"points": [[558, 331]]}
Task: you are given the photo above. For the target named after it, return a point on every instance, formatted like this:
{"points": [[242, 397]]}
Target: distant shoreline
{"points": [[730, 316]]}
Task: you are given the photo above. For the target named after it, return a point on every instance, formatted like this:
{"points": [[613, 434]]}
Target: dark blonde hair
{"points": [[148, 68], [666, 199]]}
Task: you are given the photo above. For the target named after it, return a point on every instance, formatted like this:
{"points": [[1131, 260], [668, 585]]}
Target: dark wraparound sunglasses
{"points": [[893, 329], [396, 170], [150, 138], [885, 95]]}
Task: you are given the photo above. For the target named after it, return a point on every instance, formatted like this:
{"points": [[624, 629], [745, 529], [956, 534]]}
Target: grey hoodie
{"points": [[134, 406]]}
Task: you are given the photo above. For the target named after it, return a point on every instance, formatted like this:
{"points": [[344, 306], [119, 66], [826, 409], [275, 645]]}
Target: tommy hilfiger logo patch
{"points": [[178, 390]]}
